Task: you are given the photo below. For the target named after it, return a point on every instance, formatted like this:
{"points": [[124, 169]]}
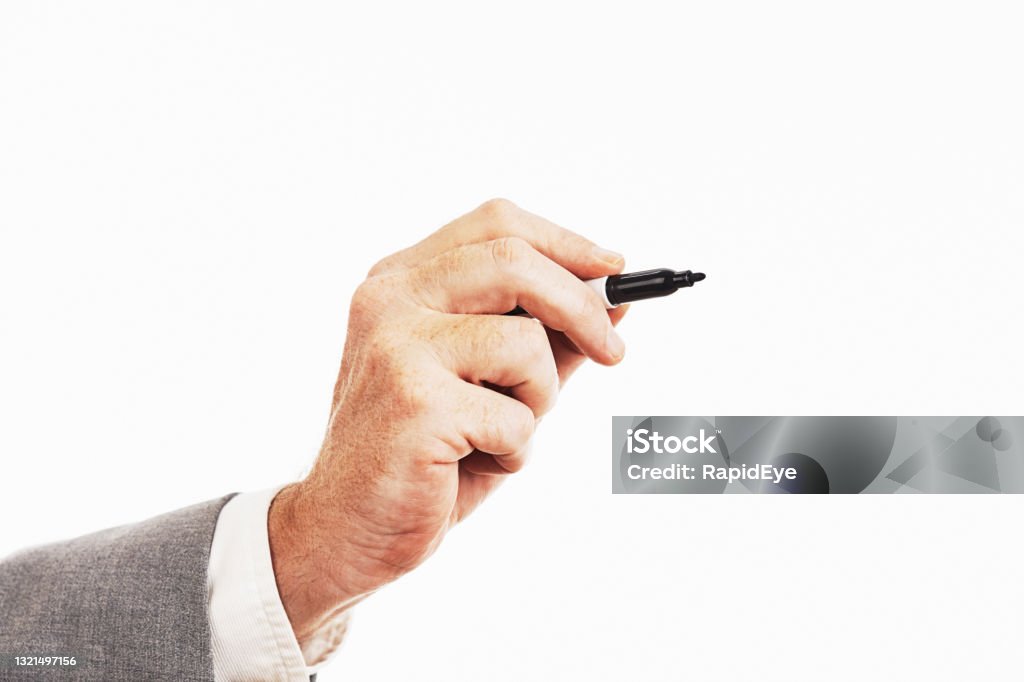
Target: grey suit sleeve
{"points": [[128, 602]]}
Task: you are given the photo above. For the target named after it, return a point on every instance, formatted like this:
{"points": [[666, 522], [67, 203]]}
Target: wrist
{"points": [[313, 579]]}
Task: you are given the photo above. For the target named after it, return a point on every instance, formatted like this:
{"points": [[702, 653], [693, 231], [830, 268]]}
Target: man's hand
{"points": [[437, 398]]}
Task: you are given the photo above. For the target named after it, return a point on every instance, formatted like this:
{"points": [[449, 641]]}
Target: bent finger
{"points": [[497, 276], [499, 218]]}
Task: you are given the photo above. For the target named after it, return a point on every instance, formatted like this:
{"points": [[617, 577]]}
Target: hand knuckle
{"points": [[418, 395], [536, 339], [368, 301], [498, 210], [509, 252], [521, 423], [551, 393], [381, 266], [411, 393], [490, 424], [471, 335]]}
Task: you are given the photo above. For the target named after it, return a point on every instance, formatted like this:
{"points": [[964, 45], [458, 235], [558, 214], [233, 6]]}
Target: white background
{"points": [[190, 191]]}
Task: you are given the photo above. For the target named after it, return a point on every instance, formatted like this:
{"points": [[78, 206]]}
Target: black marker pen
{"points": [[637, 286]]}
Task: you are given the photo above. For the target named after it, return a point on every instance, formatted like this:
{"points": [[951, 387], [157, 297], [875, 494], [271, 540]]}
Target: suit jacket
{"points": [[129, 602]]}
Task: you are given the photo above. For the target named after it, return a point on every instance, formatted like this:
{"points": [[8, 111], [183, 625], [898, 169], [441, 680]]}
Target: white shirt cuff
{"points": [[252, 637]]}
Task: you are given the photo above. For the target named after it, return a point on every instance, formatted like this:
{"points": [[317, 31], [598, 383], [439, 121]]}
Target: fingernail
{"points": [[616, 347], [607, 256]]}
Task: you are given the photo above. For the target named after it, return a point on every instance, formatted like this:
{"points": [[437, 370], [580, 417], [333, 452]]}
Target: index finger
{"points": [[500, 218]]}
